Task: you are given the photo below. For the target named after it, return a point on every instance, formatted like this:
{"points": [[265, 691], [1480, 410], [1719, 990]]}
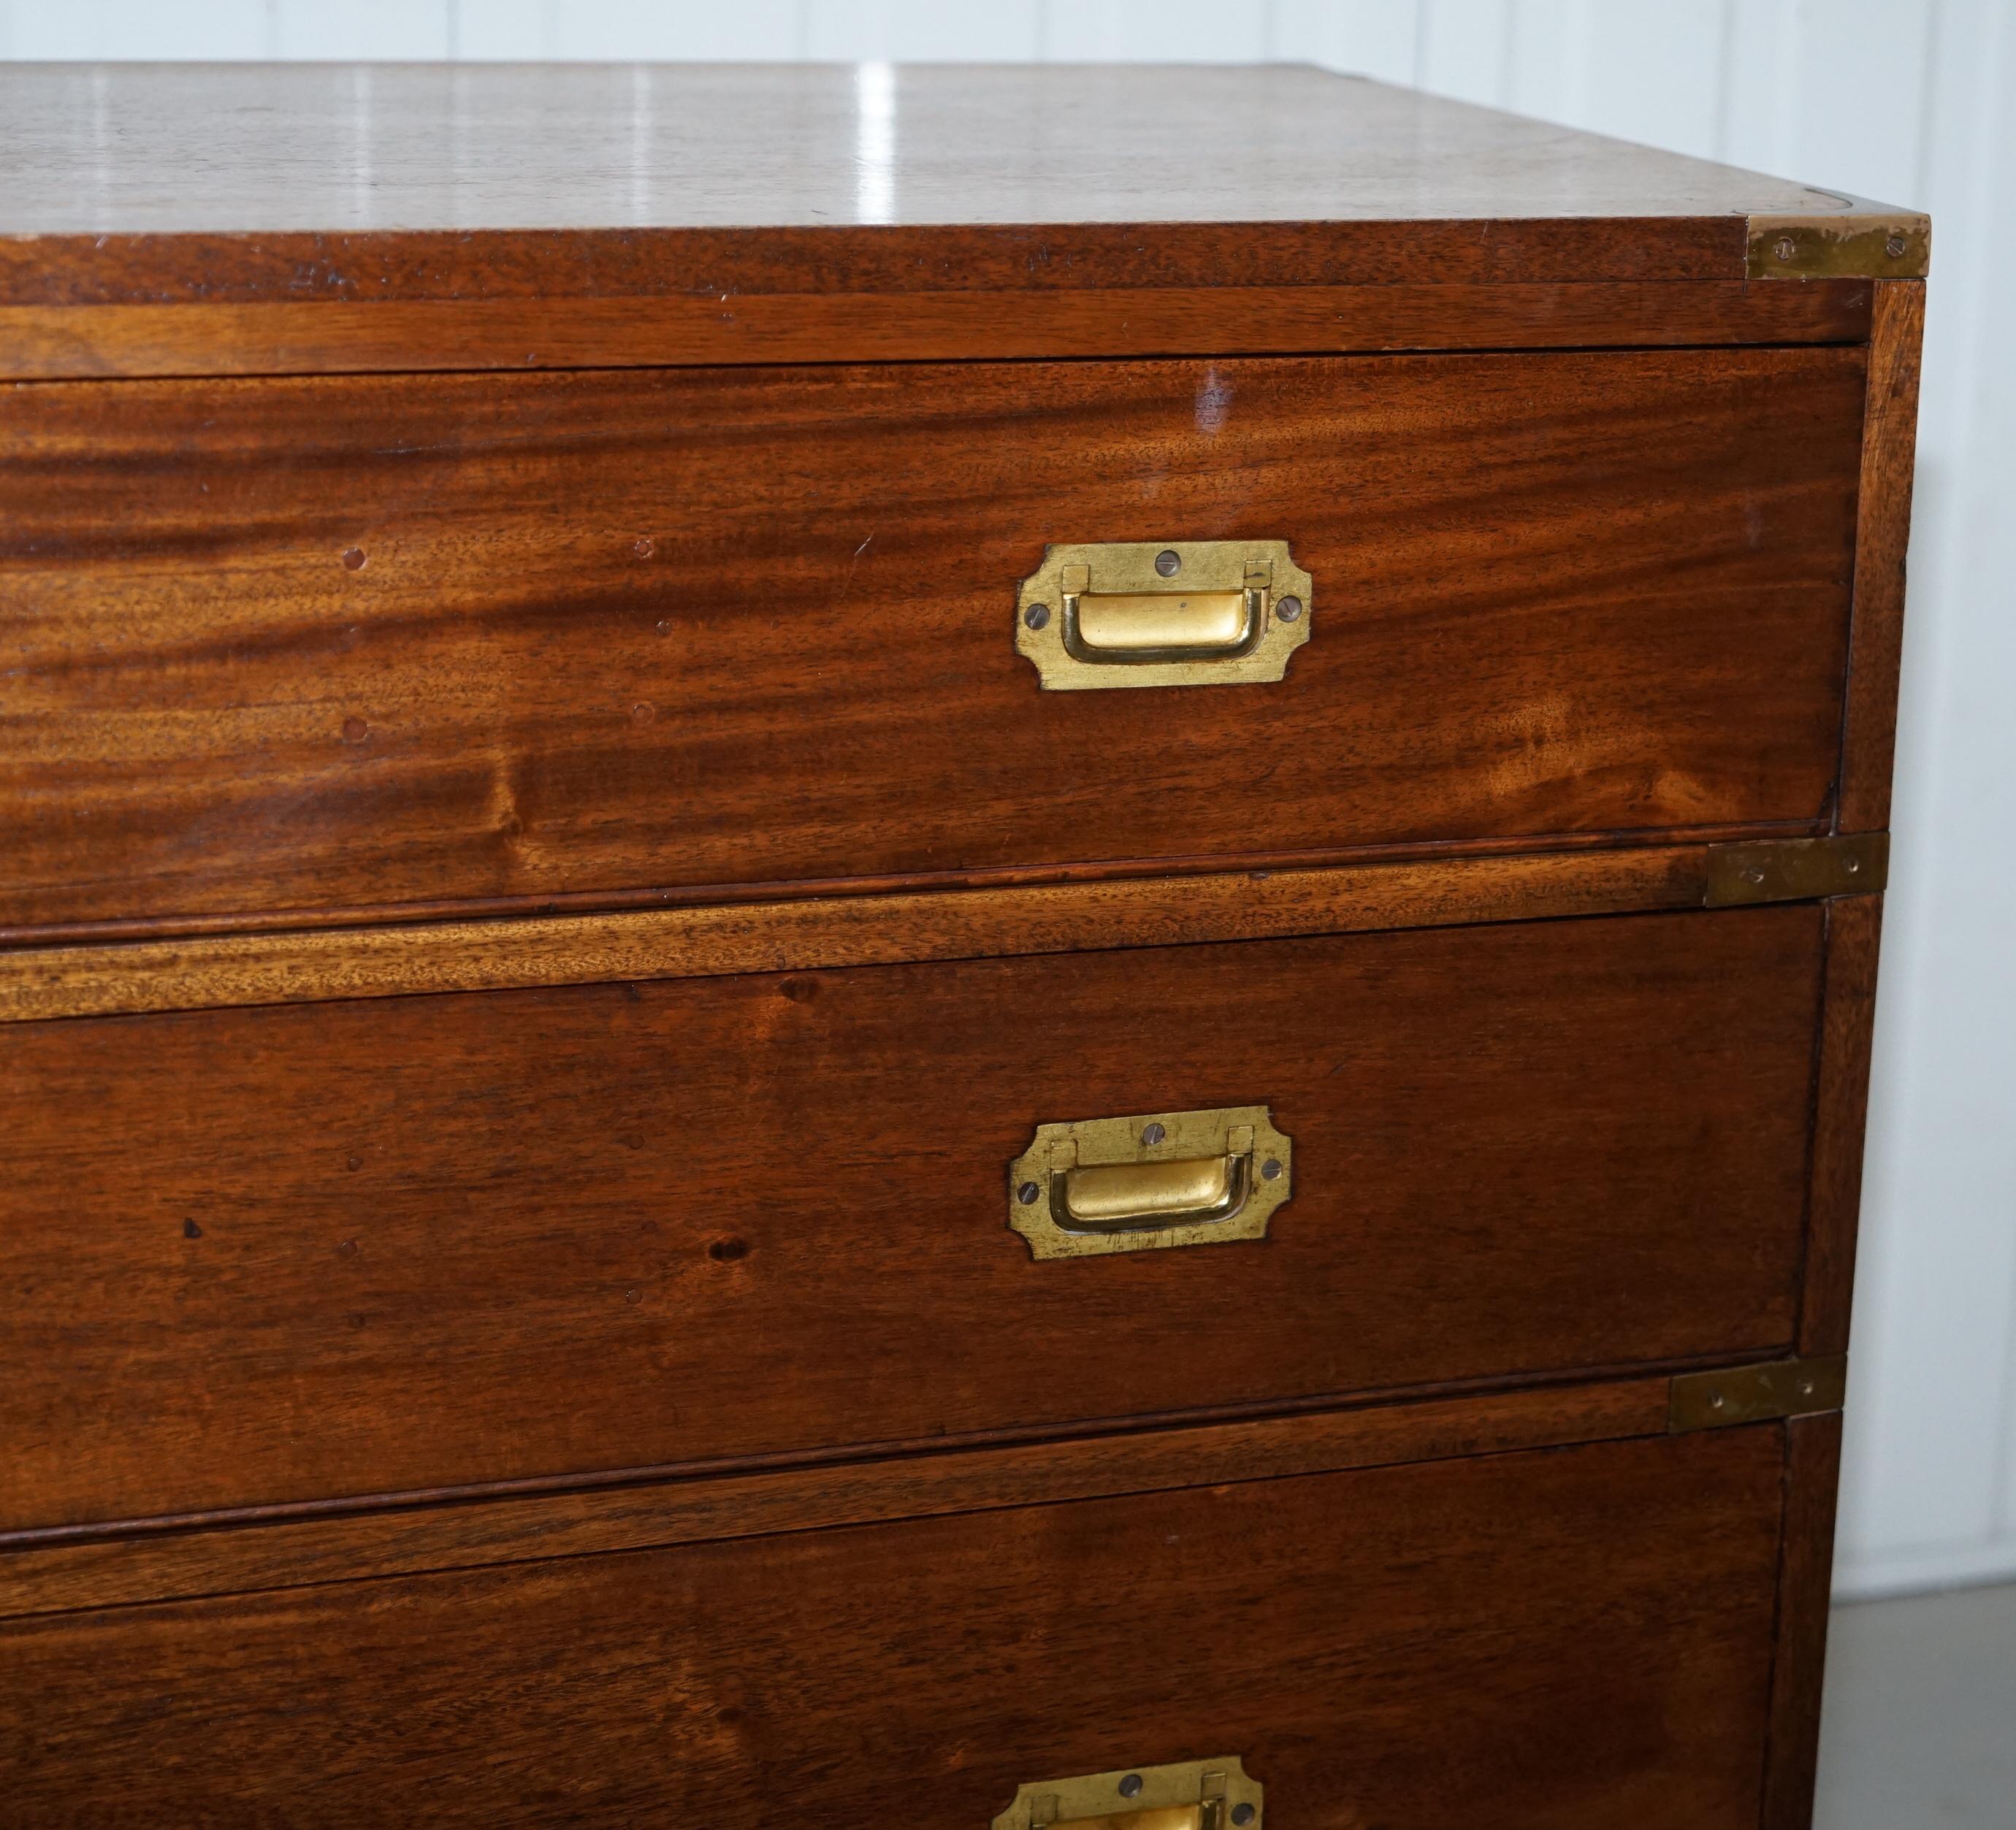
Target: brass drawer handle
{"points": [[1157, 1179], [1162, 614], [1121, 1197], [1191, 1795]]}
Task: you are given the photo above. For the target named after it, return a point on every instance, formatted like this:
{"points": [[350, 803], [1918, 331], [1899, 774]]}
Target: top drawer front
{"points": [[343, 643]]}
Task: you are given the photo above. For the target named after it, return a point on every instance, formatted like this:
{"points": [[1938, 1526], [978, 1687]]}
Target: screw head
{"points": [[1785, 247], [1716, 1400], [1130, 1787], [1854, 864], [1270, 1170], [1168, 563], [1242, 1815], [1895, 247], [1027, 1194], [1036, 615], [1805, 1388], [1288, 609], [1153, 1134]]}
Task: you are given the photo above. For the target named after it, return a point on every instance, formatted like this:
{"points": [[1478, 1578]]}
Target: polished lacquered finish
{"points": [[460, 1240], [927, 947], [338, 645]]}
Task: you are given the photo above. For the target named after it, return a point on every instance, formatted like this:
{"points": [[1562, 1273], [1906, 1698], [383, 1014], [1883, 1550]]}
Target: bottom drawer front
{"points": [[1571, 1638]]}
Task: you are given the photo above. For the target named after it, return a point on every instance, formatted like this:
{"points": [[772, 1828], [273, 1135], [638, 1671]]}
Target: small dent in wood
{"points": [[355, 730], [353, 559], [191, 1230], [726, 1251]]}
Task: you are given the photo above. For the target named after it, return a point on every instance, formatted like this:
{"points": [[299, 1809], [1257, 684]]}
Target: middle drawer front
{"points": [[292, 1254]]}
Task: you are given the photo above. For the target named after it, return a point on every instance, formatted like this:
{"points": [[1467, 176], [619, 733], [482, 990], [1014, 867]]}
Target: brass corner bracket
{"points": [[1859, 243], [1756, 1394], [1796, 870]]}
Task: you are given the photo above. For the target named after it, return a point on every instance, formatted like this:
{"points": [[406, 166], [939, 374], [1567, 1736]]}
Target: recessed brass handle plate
{"points": [[1157, 1179], [1183, 613], [1191, 1795]]}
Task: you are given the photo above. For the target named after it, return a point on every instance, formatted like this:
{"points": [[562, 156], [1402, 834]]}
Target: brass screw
{"points": [[1786, 248], [1289, 607], [1895, 247], [1854, 864], [1027, 1194], [1242, 1815], [1716, 1400], [1805, 1388], [1168, 563], [1130, 1787], [1270, 1169], [1152, 1135], [1036, 615]]}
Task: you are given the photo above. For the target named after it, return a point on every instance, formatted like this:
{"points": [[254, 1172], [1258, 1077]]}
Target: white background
{"points": [[1912, 102]]}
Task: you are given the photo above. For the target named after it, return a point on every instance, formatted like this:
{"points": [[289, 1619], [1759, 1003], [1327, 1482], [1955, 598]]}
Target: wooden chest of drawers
{"points": [[946, 947]]}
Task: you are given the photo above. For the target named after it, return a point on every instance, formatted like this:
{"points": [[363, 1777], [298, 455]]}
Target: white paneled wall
{"points": [[1911, 100]]}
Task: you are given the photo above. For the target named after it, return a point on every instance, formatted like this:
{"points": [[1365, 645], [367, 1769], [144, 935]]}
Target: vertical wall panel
{"points": [[1368, 37], [503, 31], [1652, 72], [1929, 1483], [1466, 49], [617, 31], [1857, 95], [1172, 31], [1761, 84], [924, 31], [139, 30], [384, 30]]}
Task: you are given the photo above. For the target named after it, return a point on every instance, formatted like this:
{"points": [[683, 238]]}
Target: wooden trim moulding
{"points": [[1805, 1569], [340, 336], [1840, 1104], [293, 1553], [40, 984], [1883, 531]]}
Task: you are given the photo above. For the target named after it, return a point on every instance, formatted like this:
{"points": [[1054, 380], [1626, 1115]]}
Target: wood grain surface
{"points": [[292, 1254], [1883, 532], [282, 644], [53, 1573], [1575, 1638], [38, 984], [196, 338], [229, 182]]}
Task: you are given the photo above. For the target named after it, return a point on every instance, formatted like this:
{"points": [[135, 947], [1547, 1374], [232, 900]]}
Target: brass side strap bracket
{"points": [[1756, 1394], [1863, 243], [1796, 870]]}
